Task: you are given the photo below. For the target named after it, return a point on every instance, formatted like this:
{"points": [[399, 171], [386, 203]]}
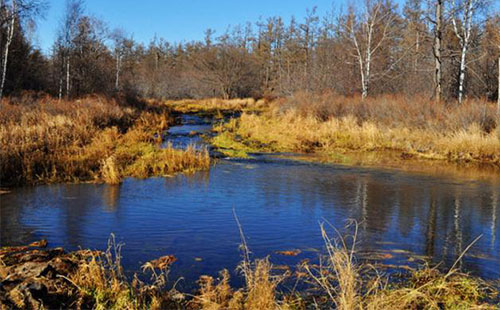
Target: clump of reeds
{"points": [[168, 160], [338, 276], [101, 284], [109, 171], [259, 291]]}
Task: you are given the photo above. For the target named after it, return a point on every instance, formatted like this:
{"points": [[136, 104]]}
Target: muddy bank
{"points": [[33, 278]]}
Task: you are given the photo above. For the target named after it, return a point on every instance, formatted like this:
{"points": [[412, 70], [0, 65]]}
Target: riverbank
{"points": [[93, 139], [35, 278], [342, 130]]}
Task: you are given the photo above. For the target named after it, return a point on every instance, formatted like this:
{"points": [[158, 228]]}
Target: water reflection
{"points": [[110, 196], [279, 204]]}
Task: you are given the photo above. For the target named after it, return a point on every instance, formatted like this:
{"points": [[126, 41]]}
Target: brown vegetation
{"points": [[38, 279], [84, 279], [90, 139], [333, 125], [217, 106]]}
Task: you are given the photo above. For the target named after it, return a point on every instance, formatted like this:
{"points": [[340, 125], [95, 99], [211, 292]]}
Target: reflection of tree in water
{"points": [[76, 202], [110, 197], [493, 225], [437, 219], [411, 206], [192, 180], [379, 205], [430, 235], [457, 228]]}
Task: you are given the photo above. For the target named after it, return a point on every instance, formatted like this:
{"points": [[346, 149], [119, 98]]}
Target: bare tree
{"points": [[119, 42], [65, 42], [367, 33], [10, 34], [11, 14], [228, 70], [462, 14], [437, 49]]}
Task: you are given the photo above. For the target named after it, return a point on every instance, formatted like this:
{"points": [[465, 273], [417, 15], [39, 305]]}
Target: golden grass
{"points": [[101, 284], [92, 139], [287, 127], [217, 106]]}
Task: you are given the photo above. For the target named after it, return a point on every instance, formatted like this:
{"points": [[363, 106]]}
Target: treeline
{"points": [[437, 48]]}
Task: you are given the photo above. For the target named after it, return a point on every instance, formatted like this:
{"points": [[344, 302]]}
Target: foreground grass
{"points": [[35, 279], [336, 126], [92, 139]]}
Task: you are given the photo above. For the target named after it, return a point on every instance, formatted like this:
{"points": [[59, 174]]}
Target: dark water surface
{"points": [[279, 203]]}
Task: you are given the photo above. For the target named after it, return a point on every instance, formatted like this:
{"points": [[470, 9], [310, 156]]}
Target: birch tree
{"points": [[462, 13], [367, 33], [119, 42], [11, 13], [65, 42]]}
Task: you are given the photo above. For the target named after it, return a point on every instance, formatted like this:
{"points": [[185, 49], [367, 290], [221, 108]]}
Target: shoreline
{"points": [[34, 277]]}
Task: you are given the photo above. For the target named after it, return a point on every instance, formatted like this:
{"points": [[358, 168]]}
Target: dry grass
{"points": [[91, 139], [259, 292], [417, 128], [217, 106], [350, 285], [101, 284]]}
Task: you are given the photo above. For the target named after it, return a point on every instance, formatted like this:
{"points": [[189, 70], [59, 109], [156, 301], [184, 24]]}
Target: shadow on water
{"points": [[280, 204]]}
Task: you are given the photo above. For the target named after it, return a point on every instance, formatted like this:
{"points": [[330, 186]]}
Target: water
{"points": [[279, 203]]}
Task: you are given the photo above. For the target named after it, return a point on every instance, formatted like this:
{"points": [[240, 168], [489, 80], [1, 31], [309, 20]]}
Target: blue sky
{"points": [[177, 20], [182, 20]]}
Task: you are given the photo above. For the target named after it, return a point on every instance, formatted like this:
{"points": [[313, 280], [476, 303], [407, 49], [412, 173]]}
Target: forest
{"points": [[444, 50]]}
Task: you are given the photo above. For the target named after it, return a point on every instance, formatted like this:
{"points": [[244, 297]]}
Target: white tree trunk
{"points": [[60, 86], [118, 69], [461, 76], [10, 35], [67, 77], [437, 50], [368, 60], [498, 91], [463, 36]]}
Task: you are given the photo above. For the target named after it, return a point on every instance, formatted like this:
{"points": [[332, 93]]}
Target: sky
{"points": [[177, 20]]}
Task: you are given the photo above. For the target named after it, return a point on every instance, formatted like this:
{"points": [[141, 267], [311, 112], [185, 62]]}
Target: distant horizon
{"points": [[176, 21]]}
